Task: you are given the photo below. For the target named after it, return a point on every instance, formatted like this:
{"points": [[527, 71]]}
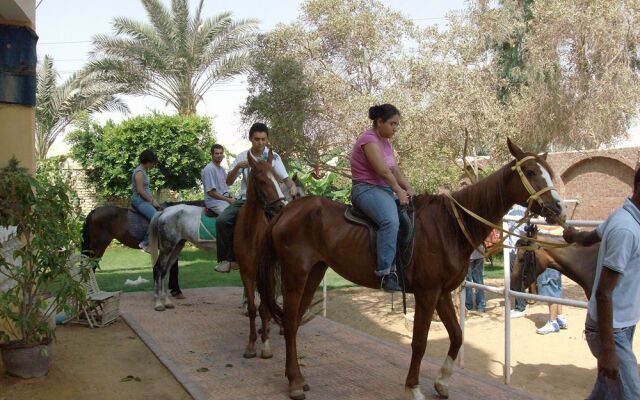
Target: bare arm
{"points": [[139, 181], [375, 158], [213, 193], [233, 174], [608, 360], [403, 181], [572, 235]]}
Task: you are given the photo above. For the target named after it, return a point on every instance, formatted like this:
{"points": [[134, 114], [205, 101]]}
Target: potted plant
{"points": [[38, 281]]}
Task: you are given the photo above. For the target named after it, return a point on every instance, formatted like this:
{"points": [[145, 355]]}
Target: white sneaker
{"points": [[562, 322], [550, 327], [224, 266], [517, 314]]}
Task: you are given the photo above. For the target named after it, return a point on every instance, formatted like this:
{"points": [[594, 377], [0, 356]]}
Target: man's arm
{"points": [[213, 193], [233, 173], [608, 360], [572, 235]]}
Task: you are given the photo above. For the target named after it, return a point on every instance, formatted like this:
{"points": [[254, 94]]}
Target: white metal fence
{"points": [[506, 291]]}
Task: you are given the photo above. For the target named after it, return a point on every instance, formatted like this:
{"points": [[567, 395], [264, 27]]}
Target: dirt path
{"points": [[90, 363], [555, 366]]}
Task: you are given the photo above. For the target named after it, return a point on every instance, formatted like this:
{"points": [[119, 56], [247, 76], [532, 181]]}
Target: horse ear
{"points": [[515, 150], [544, 155], [270, 157], [252, 161]]}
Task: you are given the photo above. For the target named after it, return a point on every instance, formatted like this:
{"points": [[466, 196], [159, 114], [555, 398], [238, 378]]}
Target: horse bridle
{"points": [[533, 194], [529, 256], [268, 206]]}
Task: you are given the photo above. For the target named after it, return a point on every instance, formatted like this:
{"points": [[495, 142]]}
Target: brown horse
{"points": [[578, 263], [105, 223], [311, 234], [264, 198]]}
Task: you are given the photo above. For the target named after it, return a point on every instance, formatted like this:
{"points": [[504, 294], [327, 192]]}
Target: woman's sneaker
{"points": [[390, 282], [550, 327], [562, 322]]}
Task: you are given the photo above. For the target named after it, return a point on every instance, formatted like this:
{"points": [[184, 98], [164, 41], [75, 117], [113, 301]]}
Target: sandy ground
{"points": [[554, 366], [90, 364]]}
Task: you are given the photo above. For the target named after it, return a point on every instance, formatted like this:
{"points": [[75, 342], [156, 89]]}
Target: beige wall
{"points": [[17, 124]]}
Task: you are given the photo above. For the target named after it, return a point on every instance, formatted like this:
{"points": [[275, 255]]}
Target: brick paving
{"points": [[202, 341]]}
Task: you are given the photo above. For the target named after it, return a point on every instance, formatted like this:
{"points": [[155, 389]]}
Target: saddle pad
{"points": [[138, 224], [207, 230]]}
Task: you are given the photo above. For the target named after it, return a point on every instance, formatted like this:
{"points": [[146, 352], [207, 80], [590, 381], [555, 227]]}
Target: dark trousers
{"points": [[174, 286], [225, 225], [521, 304]]}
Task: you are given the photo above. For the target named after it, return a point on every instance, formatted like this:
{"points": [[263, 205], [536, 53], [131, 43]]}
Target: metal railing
{"points": [[507, 293]]}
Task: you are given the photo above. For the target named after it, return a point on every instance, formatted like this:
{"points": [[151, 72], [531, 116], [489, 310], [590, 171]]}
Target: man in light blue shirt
{"points": [[214, 182], [614, 310]]}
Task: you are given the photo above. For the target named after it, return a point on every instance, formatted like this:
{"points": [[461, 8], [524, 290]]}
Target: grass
{"points": [[196, 270]]}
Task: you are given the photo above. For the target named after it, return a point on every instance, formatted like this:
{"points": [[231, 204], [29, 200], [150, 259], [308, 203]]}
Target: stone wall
{"points": [[600, 179]]}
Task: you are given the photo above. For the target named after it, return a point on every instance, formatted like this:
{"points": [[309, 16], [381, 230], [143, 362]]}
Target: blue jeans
{"points": [[521, 304], [379, 204], [627, 385], [145, 208], [475, 274]]}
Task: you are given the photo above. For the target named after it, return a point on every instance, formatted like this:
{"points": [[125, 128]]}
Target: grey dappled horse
{"points": [[169, 230]]}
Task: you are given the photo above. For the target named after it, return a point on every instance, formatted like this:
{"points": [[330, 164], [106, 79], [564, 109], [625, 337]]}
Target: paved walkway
{"points": [[202, 340]]}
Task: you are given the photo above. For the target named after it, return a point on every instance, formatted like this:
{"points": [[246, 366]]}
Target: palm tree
{"points": [[58, 106], [177, 57]]}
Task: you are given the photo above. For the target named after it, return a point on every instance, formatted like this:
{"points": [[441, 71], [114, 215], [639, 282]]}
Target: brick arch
{"points": [[600, 183]]}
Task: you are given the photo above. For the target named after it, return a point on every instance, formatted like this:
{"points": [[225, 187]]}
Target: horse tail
{"points": [[267, 272], [86, 239], [153, 238]]}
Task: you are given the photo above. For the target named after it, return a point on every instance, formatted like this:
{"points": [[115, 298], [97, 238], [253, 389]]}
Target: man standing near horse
{"points": [[614, 311], [216, 190], [225, 224]]}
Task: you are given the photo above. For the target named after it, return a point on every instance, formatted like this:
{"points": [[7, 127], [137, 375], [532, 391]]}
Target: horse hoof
{"points": [[442, 389], [297, 394], [159, 308], [249, 354], [306, 388], [266, 355], [169, 305]]}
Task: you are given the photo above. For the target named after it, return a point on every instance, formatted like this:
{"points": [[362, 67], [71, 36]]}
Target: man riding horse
{"points": [[225, 224]]}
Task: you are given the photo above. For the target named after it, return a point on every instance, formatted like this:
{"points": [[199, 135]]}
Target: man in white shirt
{"points": [[214, 182], [614, 309], [225, 224]]}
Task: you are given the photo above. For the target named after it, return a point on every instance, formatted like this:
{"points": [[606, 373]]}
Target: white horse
{"points": [[169, 230]]}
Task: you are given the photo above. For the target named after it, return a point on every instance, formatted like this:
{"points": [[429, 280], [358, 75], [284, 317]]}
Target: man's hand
{"points": [[569, 234], [243, 164], [608, 364], [230, 200]]}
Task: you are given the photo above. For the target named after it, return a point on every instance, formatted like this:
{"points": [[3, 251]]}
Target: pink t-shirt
{"points": [[361, 169]]}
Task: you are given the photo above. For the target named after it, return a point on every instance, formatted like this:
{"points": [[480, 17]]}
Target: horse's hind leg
{"points": [[265, 317], [447, 313], [169, 261]]}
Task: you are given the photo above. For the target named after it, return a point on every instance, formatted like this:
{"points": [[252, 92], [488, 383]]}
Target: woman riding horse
{"points": [[377, 180], [311, 234], [141, 198]]}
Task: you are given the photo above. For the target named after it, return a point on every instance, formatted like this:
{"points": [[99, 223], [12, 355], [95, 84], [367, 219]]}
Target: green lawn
{"points": [[196, 270]]}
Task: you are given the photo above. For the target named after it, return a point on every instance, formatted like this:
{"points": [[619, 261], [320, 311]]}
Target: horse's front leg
{"points": [[250, 350], [425, 305], [165, 291], [157, 288], [447, 313]]}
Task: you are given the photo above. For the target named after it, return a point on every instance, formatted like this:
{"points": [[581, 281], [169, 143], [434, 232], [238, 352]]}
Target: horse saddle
{"points": [[137, 223], [210, 213], [406, 232]]}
